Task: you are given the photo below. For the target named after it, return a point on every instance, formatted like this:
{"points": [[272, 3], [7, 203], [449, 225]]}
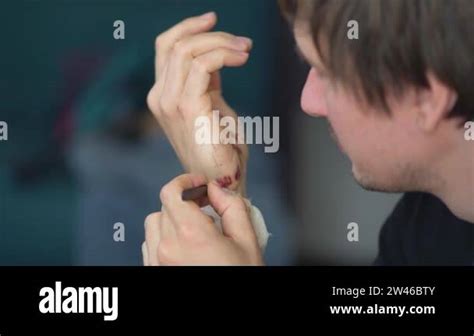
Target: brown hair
{"points": [[399, 42]]}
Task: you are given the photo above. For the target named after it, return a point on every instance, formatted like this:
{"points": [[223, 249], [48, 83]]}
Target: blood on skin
{"points": [[224, 182]]}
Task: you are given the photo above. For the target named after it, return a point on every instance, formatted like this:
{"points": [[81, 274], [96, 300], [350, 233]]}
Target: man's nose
{"points": [[312, 97]]}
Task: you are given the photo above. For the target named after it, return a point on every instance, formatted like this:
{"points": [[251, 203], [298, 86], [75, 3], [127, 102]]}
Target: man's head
{"points": [[397, 96]]}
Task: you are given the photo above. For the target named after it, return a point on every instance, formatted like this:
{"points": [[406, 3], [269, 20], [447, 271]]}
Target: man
{"points": [[396, 99]]}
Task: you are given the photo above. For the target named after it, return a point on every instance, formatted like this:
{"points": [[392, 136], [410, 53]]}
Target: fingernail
{"points": [[243, 43], [207, 16]]}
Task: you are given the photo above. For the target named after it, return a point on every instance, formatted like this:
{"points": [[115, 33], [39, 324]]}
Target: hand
{"points": [[187, 86], [182, 235]]}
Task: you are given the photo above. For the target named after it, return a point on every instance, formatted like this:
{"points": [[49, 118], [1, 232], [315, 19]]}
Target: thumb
{"points": [[233, 211]]}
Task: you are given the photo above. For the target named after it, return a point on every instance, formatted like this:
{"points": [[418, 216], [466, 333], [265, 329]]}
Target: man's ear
{"points": [[434, 103]]}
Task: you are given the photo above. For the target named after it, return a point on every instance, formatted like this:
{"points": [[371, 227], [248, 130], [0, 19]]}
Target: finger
{"points": [[203, 66], [152, 238], [234, 213], [145, 254], [185, 215], [186, 49], [167, 231], [165, 41], [171, 193], [155, 94]]}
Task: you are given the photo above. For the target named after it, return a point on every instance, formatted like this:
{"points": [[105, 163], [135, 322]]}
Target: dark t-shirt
{"points": [[423, 231]]}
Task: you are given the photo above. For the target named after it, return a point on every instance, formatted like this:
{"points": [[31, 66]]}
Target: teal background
{"points": [[36, 36]]}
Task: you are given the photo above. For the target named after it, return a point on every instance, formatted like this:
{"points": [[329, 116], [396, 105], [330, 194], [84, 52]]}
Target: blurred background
{"points": [[83, 152]]}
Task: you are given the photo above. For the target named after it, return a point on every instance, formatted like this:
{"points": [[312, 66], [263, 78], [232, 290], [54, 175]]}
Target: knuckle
{"points": [[166, 105], [150, 219], [180, 49], [165, 252], [152, 101], [166, 194], [199, 65], [159, 41], [187, 231]]}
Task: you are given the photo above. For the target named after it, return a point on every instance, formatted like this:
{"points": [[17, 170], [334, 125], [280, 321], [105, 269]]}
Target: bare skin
{"points": [[188, 60], [417, 148], [182, 235]]}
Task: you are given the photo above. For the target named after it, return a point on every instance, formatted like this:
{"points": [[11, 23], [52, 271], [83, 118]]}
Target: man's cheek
{"points": [[342, 127]]}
